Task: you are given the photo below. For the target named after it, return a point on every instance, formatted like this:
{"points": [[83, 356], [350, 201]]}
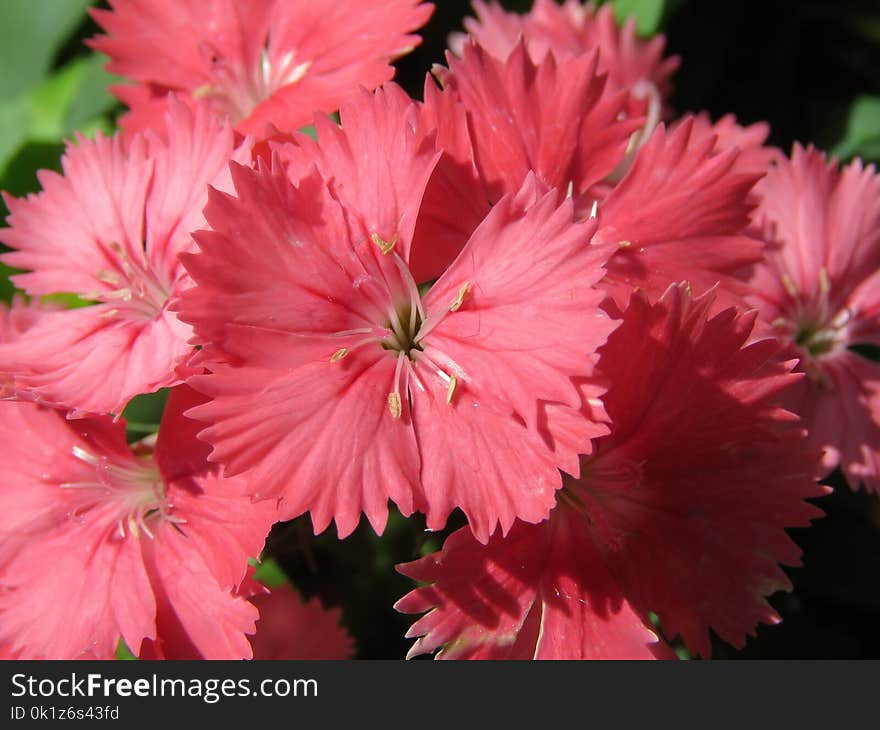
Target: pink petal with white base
{"points": [[99, 545], [110, 231], [818, 292], [273, 61]]}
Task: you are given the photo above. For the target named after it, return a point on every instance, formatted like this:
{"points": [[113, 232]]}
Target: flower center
{"points": [[404, 328], [133, 488], [236, 90], [130, 284], [811, 322], [402, 334]]}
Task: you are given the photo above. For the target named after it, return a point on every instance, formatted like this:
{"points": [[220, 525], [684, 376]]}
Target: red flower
{"points": [[337, 384], [681, 510]]}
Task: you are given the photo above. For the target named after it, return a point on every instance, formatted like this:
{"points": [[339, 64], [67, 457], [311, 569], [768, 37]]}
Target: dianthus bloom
{"points": [[680, 511], [676, 208], [820, 291], [574, 29], [101, 541], [254, 62], [337, 382], [110, 230], [291, 628]]}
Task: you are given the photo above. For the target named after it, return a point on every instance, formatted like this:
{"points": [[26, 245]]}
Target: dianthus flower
{"points": [[101, 541], [110, 230], [337, 382], [680, 511], [676, 209], [574, 29], [820, 292], [253, 62]]}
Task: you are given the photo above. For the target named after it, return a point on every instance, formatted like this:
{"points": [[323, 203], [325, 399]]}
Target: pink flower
{"points": [[681, 212], [337, 384], [574, 29], [291, 628], [681, 510], [255, 62], [110, 230], [820, 291], [675, 207], [519, 116], [102, 541], [754, 155]]}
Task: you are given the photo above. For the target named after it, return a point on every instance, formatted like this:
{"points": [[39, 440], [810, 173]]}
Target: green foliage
{"points": [[269, 573], [39, 105], [123, 652], [6, 288], [75, 98], [648, 14], [862, 135], [31, 34], [144, 413]]}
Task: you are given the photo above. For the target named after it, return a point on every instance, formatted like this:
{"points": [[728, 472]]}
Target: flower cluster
{"points": [[624, 344]]}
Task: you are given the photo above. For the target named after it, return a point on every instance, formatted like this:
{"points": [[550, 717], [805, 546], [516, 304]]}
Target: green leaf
{"points": [[311, 131], [269, 573], [68, 300], [862, 136], [143, 414], [75, 98], [31, 33], [648, 14], [20, 176], [123, 652], [6, 287], [14, 115]]}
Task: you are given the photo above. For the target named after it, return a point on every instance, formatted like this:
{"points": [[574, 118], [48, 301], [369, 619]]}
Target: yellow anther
{"points": [[394, 404], [386, 247], [625, 244], [824, 281], [450, 390], [339, 354], [463, 291]]}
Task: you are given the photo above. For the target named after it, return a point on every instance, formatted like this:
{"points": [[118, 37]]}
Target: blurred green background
{"points": [[811, 69]]}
